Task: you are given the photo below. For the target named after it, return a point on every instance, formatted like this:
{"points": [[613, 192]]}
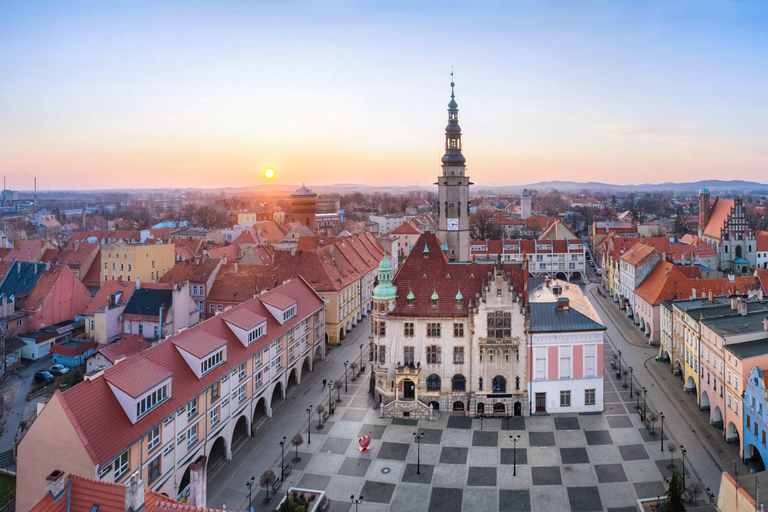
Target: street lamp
{"points": [[346, 363], [330, 392], [683, 451], [625, 380], [356, 501], [630, 381], [282, 458], [710, 495], [619, 362], [361, 355], [249, 485], [661, 416], [418, 438], [309, 425], [645, 391], [514, 453]]}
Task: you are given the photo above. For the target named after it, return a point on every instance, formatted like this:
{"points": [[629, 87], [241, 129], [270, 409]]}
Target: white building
{"points": [[564, 258]]}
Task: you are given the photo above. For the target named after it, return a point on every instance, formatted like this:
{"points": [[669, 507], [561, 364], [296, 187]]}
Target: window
{"points": [[241, 371], [541, 368], [589, 397], [121, 465], [19, 322], [408, 355], [499, 325], [289, 313], [408, 329], [154, 469], [736, 381], [433, 330], [565, 362], [433, 354], [212, 362], [480, 384], [729, 375], [180, 438], [729, 399], [151, 401], [213, 309], [433, 383], [382, 354], [382, 328], [191, 409], [499, 384], [241, 394], [255, 334], [214, 417], [458, 355], [458, 330], [749, 422], [257, 383], [565, 398], [458, 383], [763, 437], [153, 440], [191, 435]]}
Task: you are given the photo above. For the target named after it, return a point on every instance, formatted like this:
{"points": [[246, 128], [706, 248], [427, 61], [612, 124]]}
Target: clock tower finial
{"points": [[453, 189]]}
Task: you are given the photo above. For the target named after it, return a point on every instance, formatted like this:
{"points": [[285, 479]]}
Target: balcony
{"points": [[500, 342]]}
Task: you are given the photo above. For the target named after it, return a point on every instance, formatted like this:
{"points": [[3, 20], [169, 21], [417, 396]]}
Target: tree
{"points": [[482, 226], [290, 506], [354, 366], [337, 385], [675, 501], [74, 377], [671, 447], [637, 393], [652, 419], [694, 490], [297, 441], [320, 410], [267, 480]]}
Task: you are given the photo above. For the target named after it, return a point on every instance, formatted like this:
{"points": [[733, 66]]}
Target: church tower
{"points": [[704, 208], [453, 191]]}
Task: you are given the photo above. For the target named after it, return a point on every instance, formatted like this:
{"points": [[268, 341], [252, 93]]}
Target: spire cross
{"points": [[451, 81]]}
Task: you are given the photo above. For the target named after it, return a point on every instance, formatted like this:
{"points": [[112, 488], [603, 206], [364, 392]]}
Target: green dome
{"points": [[410, 296], [704, 191], [434, 295], [385, 290], [385, 264]]}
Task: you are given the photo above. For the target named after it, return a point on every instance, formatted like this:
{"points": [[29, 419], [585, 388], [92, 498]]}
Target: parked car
{"points": [[58, 369], [43, 376], [599, 271]]}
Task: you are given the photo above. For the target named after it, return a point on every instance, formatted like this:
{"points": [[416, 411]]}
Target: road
{"points": [[26, 376], [226, 484]]}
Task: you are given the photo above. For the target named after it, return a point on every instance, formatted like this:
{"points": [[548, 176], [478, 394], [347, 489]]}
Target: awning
{"points": [[740, 261]]}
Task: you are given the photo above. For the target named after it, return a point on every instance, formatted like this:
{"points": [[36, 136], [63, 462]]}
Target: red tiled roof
{"points": [[72, 351], [406, 228], [690, 271], [638, 254], [102, 299], [762, 242], [718, 217], [92, 278], [139, 377], [75, 257], [44, 285], [106, 430], [278, 300], [665, 282], [231, 286], [127, 347], [762, 276], [26, 250], [427, 273], [231, 252], [191, 271], [245, 318], [198, 343]]}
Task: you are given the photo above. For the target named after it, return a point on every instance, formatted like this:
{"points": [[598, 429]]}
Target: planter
{"points": [[310, 499]]}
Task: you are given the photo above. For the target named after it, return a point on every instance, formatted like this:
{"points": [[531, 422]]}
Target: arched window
{"points": [[458, 383], [433, 383], [499, 384]]}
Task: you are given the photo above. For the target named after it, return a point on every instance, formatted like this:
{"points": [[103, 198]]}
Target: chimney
{"points": [[134, 493], [54, 484], [237, 267], [765, 323], [138, 282], [734, 303], [197, 482]]}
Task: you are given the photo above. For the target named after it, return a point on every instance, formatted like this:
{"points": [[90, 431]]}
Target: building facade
{"points": [[132, 262]]}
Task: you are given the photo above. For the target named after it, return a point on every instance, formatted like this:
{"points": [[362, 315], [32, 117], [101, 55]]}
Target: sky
{"points": [[148, 94]]}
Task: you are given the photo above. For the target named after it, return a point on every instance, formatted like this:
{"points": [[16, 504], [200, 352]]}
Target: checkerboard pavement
{"points": [[577, 462]]}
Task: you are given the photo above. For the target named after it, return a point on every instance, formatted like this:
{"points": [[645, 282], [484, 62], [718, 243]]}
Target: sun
{"points": [[269, 173]]}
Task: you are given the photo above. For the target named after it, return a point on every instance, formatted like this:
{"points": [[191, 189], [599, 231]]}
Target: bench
{"points": [[287, 470], [276, 485], [646, 421], [333, 408], [613, 364], [325, 416]]}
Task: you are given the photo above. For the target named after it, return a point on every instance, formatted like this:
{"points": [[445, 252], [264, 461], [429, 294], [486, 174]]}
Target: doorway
{"points": [[541, 402], [518, 409], [409, 390]]}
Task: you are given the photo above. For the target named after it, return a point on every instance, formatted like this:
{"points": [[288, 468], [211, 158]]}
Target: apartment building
{"points": [[564, 258], [182, 402], [131, 262]]}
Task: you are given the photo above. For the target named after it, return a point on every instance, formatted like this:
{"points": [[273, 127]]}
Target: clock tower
{"points": [[453, 191]]}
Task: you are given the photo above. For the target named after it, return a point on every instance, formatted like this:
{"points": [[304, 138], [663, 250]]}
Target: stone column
{"points": [[198, 484]]}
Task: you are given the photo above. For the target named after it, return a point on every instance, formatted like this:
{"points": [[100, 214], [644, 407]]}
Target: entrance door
{"points": [[409, 392], [518, 409], [541, 402]]}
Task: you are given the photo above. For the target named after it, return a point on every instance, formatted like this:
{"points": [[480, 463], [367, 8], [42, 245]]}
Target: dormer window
{"points": [[257, 333], [151, 401], [211, 362], [289, 313]]}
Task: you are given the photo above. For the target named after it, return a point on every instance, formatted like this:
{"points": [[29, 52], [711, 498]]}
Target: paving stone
{"points": [[651, 436], [335, 445], [482, 438], [567, 423], [310, 481], [598, 437], [507, 456], [611, 397], [584, 499], [339, 506], [541, 439], [410, 497], [574, 455], [643, 471], [446, 500], [302, 464], [514, 423], [619, 421], [650, 490], [633, 452], [622, 509], [453, 455], [461, 422], [481, 476], [613, 409], [354, 415], [360, 402], [393, 451], [354, 466], [547, 475], [549, 499], [405, 421], [423, 477], [374, 431], [480, 498], [515, 500], [665, 467], [431, 435], [377, 492], [607, 473]]}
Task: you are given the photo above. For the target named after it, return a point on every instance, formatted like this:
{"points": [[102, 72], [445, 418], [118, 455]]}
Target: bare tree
{"points": [[652, 419], [337, 385], [297, 441], [694, 490], [482, 226], [267, 480], [637, 393], [672, 448]]}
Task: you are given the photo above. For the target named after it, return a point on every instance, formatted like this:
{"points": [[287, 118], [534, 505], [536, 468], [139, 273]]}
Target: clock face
{"points": [[453, 225]]}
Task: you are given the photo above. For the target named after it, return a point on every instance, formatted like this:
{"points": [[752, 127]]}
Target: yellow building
{"points": [[184, 400], [245, 218], [131, 262], [279, 216], [689, 330]]}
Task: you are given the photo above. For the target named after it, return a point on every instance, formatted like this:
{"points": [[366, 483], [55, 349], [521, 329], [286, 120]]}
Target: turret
{"points": [[703, 209]]}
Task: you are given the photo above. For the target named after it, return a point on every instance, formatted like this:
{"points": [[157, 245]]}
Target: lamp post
{"points": [[249, 485], [683, 451], [330, 392], [309, 425], [361, 355], [282, 458], [625, 380], [619, 362], [710, 495], [630, 382], [418, 438], [357, 501], [661, 416], [514, 440], [346, 363], [645, 391]]}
